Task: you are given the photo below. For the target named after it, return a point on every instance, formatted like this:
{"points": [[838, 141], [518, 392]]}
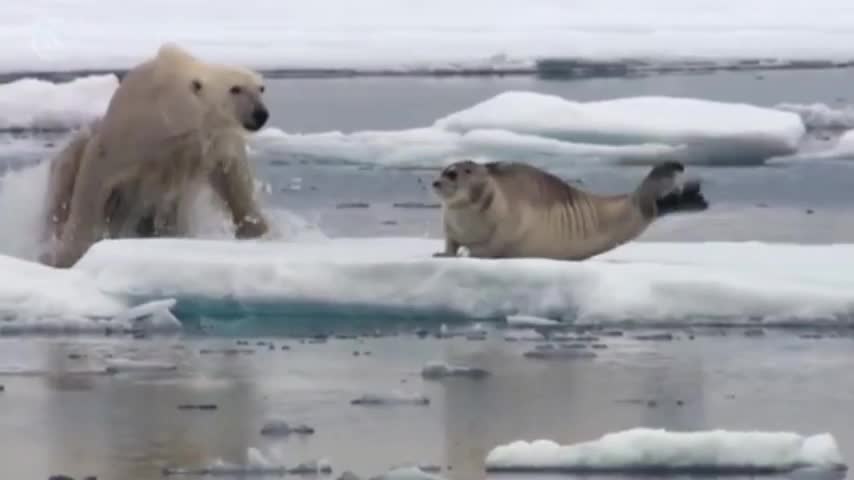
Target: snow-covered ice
{"points": [[549, 129], [707, 131], [39, 297], [641, 282], [32, 104], [257, 464], [407, 473], [650, 449], [542, 128], [400, 36], [435, 146]]}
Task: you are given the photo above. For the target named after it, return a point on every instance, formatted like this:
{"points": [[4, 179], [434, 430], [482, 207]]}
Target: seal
{"points": [[515, 210]]}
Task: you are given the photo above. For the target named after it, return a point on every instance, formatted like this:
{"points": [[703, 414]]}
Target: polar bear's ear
{"points": [[196, 85]]}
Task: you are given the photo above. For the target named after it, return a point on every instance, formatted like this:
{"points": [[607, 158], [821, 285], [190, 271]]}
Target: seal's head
{"points": [[462, 181]]}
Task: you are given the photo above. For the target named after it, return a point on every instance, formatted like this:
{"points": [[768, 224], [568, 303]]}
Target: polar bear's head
{"points": [[234, 96], [230, 96]]}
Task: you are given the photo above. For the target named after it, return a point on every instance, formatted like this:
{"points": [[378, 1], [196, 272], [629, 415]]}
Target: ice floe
{"points": [[642, 282], [644, 449]]}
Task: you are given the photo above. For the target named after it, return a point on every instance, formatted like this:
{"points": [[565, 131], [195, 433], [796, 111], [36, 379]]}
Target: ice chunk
{"points": [[819, 116], [279, 428], [842, 150], [150, 316], [642, 449], [37, 298], [559, 354], [29, 371], [32, 104], [394, 398], [529, 321], [711, 132], [525, 335], [547, 129], [437, 371], [311, 468], [124, 365], [257, 465], [642, 282], [407, 473], [433, 146]]}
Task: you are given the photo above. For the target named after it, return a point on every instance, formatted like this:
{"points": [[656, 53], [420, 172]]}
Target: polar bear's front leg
{"points": [[87, 220], [231, 179]]}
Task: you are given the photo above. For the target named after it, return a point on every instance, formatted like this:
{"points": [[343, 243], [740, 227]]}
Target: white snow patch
{"points": [[390, 34], [33, 104], [639, 449], [641, 282]]}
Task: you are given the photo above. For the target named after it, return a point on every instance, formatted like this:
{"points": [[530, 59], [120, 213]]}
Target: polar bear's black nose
{"points": [[260, 115]]}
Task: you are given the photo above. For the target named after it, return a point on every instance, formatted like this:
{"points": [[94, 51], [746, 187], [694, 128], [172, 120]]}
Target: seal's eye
{"points": [[261, 89], [235, 90], [468, 171], [452, 175]]}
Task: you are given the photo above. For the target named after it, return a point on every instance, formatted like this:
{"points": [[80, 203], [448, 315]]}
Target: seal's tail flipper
{"points": [[661, 187], [687, 198]]}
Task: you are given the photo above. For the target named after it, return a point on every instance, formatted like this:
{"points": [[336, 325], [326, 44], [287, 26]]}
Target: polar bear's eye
{"points": [[236, 90], [261, 89]]}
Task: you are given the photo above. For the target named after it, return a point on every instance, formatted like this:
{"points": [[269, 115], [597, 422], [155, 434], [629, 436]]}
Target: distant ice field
{"points": [[391, 36]]}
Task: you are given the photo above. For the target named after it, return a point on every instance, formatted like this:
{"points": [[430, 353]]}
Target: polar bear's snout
{"points": [[259, 117]]}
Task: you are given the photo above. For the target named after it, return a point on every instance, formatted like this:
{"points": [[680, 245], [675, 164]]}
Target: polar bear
{"points": [[174, 124]]}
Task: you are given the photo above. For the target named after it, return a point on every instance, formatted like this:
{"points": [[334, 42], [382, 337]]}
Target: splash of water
{"points": [[23, 194]]}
